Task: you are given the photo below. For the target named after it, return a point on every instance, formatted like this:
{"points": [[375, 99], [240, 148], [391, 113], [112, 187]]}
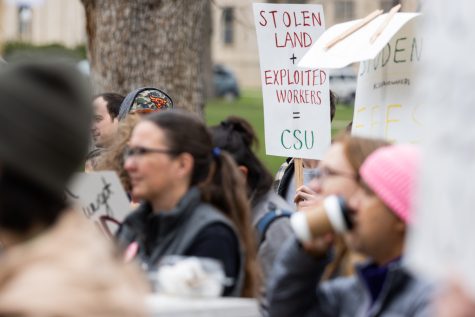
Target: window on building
{"points": [[24, 22], [344, 10], [288, 1], [228, 26]]}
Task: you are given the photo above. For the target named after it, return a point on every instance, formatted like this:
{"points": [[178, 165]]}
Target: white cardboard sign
{"points": [[99, 194], [296, 100], [385, 106], [356, 47]]}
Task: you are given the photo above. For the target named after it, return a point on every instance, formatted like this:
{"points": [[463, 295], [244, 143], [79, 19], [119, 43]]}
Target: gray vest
{"points": [[179, 229]]}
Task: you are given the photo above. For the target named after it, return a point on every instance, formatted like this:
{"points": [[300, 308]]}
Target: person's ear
{"points": [[243, 169], [185, 163]]}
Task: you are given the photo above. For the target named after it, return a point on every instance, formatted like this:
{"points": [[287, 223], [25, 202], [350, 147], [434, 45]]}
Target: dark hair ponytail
{"points": [[218, 177], [225, 189], [236, 136]]}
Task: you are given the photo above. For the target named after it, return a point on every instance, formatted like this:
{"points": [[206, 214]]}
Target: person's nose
{"points": [[96, 126], [129, 164]]}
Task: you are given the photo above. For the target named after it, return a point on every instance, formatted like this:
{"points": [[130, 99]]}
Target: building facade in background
{"points": [[234, 42], [42, 22]]}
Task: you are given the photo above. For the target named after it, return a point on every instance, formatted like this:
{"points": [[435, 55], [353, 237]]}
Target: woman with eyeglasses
{"points": [[338, 170], [193, 199], [337, 174]]}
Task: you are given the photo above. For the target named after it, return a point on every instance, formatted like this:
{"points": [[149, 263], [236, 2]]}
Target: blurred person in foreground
{"points": [[380, 211], [454, 300], [54, 262]]}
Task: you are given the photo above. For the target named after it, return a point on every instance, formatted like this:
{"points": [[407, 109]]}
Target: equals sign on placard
{"points": [[296, 114]]}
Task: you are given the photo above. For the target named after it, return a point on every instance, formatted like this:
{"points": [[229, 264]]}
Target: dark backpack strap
{"points": [[264, 223], [285, 181]]}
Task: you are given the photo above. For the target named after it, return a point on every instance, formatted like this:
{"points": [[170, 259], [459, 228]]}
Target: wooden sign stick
{"points": [[354, 28], [298, 164], [385, 23]]}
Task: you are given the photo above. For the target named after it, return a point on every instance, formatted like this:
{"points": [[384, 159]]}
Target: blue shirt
{"points": [[374, 277]]}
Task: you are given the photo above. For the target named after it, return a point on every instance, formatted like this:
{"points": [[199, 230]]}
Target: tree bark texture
{"points": [[158, 43]]}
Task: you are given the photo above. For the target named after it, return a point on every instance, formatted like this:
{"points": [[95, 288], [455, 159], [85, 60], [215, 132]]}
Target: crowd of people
{"points": [[194, 191]]}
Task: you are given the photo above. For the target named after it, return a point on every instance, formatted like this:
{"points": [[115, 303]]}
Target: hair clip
{"points": [[216, 151]]}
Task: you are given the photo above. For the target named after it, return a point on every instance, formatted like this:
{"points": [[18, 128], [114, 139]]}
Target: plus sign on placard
{"points": [[293, 58]]}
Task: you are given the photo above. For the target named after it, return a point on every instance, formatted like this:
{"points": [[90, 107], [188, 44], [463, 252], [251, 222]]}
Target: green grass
{"points": [[249, 106]]}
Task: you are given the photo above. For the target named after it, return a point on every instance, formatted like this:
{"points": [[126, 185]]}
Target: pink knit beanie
{"points": [[391, 172]]}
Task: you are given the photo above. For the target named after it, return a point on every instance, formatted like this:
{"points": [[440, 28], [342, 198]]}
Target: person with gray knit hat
{"points": [[49, 250], [44, 121], [145, 100]]}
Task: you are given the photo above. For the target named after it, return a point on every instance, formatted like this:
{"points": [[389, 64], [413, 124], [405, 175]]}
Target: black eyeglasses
{"points": [[138, 151], [321, 173]]}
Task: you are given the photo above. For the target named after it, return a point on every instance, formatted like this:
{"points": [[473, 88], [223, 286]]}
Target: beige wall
{"points": [[242, 56], [52, 21]]}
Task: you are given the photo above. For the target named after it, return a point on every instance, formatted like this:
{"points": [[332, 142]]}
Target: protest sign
{"points": [[357, 46], [385, 106], [296, 100], [440, 243], [99, 196]]}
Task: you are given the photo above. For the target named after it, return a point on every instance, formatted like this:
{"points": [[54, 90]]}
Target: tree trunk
{"points": [[158, 43]]}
